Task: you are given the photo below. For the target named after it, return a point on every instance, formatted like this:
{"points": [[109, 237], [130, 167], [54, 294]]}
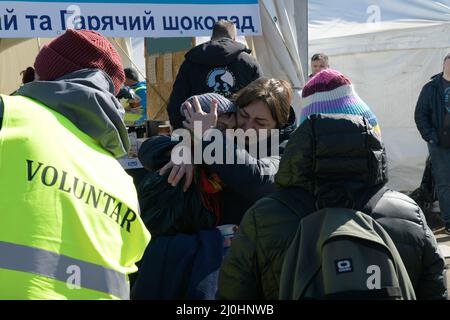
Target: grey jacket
{"points": [[85, 97]]}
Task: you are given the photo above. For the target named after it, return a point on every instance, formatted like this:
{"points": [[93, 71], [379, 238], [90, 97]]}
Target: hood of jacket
{"points": [[436, 80], [155, 152], [290, 126], [336, 158], [218, 52], [86, 98]]}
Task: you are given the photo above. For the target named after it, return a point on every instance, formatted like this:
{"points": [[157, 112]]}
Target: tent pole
{"points": [[129, 58], [301, 25]]}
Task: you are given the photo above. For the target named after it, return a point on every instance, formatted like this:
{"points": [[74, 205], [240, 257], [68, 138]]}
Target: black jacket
{"points": [[223, 66], [335, 163], [430, 109]]}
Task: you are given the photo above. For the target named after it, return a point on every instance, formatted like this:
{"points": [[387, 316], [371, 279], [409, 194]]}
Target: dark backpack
{"points": [[340, 253]]}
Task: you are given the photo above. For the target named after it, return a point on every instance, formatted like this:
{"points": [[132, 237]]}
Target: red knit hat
{"points": [[79, 49]]}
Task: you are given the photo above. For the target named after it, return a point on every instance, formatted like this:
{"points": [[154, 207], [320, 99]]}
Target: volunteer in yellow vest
{"points": [[69, 216]]}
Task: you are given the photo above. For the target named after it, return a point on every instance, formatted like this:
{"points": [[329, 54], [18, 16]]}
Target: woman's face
{"points": [[226, 121], [255, 116]]}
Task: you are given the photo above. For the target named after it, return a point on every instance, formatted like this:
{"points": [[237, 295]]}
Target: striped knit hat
{"points": [[330, 92]]}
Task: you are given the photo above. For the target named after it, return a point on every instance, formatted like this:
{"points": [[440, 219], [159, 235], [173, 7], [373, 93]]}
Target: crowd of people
{"points": [[76, 227]]}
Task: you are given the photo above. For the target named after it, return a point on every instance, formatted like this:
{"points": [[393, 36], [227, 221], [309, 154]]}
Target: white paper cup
{"points": [[227, 231]]}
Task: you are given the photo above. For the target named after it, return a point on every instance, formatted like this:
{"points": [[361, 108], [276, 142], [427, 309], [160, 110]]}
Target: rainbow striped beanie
{"points": [[330, 92]]}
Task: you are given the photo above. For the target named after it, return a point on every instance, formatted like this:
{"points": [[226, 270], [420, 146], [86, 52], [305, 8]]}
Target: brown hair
{"points": [[224, 29], [276, 94]]}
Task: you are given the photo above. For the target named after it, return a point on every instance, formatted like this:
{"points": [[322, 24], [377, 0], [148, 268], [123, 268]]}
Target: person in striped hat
{"points": [[330, 92]]}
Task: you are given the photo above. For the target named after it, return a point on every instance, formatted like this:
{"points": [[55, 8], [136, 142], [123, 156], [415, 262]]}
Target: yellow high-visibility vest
{"points": [[69, 221]]}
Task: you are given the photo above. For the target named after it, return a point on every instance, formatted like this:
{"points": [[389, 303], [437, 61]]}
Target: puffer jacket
{"points": [[330, 161]]}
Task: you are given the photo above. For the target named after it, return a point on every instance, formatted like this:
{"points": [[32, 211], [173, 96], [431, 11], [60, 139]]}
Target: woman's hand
{"points": [[195, 113], [177, 173]]}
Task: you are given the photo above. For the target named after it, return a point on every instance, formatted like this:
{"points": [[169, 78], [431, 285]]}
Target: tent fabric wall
{"points": [[388, 62], [414, 37], [18, 54], [276, 50], [125, 50]]}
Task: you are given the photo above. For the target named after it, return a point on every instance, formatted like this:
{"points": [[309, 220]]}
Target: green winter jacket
{"points": [[330, 161]]}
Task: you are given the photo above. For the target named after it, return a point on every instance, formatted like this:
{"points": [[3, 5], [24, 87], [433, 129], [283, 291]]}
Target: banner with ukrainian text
{"points": [[133, 18]]}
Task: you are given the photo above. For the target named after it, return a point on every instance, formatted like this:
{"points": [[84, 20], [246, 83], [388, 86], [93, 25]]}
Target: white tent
{"points": [[389, 50]]}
